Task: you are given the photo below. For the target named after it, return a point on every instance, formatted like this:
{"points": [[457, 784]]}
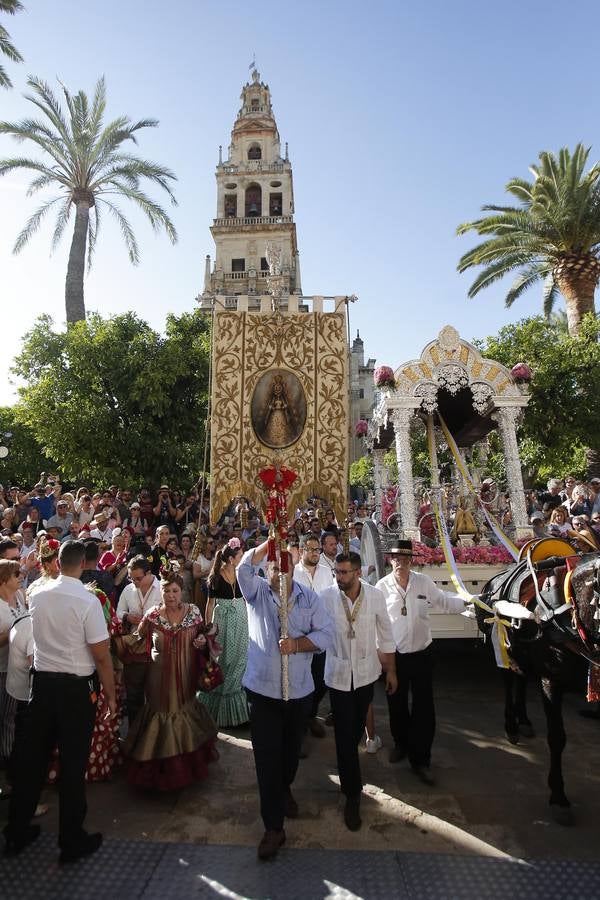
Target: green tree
{"points": [[552, 235], [85, 159], [113, 401], [26, 457], [7, 48], [561, 419], [361, 473]]}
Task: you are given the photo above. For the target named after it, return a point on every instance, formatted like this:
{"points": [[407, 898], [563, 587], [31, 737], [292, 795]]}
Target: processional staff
{"points": [[278, 479]]}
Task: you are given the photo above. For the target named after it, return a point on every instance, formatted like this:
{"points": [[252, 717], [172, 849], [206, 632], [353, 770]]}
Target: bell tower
{"points": [[255, 204]]}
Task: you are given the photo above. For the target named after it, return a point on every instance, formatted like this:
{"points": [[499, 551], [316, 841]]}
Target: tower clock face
{"points": [[278, 409]]}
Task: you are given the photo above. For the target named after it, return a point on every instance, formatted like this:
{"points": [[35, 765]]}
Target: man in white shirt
{"points": [[137, 598], [362, 642], [71, 658], [409, 597], [312, 572]]}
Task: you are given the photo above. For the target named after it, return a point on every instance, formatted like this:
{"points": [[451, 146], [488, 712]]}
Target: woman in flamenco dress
{"points": [[172, 739]]}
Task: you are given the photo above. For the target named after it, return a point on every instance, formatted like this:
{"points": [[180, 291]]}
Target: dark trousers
{"points": [[317, 669], [276, 728], [134, 676], [349, 710], [60, 713], [20, 732], [413, 728]]}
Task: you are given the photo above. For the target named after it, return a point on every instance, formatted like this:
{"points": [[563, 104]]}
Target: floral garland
{"points": [[468, 556]]}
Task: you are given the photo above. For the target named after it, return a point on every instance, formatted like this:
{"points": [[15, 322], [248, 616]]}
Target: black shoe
{"points": [[290, 807], [352, 813], [13, 846], [424, 774], [397, 754], [270, 844], [88, 845]]}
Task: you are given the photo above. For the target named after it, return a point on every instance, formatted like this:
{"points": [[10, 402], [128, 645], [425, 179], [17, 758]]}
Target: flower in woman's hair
{"points": [[169, 570], [234, 544]]}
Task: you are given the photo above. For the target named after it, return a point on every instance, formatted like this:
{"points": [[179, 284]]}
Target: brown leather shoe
{"points": [[270, 844], [290, 807]]}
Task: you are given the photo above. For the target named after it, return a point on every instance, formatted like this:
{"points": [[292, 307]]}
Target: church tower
{"points": [[255, 205], [280, 382]]}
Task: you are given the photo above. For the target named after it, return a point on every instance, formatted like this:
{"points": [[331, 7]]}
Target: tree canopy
{"points": [[114, 401], [552, 235], [561, 419], [26, 458], [84, 159]]}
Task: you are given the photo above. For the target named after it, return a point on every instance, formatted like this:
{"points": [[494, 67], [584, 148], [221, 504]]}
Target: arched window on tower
{"points": [[253, 201], [254, 151]]}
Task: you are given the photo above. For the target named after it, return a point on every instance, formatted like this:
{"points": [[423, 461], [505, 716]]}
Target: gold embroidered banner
{"points": [[280, 395]]}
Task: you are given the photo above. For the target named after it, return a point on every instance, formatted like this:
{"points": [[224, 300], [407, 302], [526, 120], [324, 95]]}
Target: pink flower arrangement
{"points": [[361, 428], [521, 372], [383, 376], [468, 556]]}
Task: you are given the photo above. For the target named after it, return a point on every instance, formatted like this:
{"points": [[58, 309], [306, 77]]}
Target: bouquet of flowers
{"points": [[383, 376], [521, 373]]}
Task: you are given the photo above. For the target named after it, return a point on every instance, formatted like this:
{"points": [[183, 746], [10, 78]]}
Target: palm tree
{"points": [[6, 46], [553, 235], [84, 159]]}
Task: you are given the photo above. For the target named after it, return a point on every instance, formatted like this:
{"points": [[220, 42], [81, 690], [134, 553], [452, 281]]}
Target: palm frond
{"points": [[93, 229], [126, 231], [156, 215], [550, 295], [61, 223], [524, 280], [33, 224]]}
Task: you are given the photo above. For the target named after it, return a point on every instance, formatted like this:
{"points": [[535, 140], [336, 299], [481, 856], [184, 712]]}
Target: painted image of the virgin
{"points": [[278, 409]]}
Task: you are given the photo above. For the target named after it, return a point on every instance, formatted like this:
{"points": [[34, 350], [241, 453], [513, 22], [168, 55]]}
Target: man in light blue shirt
{"points": [[277, 726]]}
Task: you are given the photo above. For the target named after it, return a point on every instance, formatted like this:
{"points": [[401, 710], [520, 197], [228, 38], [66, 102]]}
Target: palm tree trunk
{"points": [[74, 304], [576, 278]]}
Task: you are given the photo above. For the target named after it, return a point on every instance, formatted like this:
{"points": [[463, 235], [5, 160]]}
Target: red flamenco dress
{"points": [[172, 739]]}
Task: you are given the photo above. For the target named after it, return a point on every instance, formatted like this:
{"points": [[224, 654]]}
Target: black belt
{"points": [[57, 675]]}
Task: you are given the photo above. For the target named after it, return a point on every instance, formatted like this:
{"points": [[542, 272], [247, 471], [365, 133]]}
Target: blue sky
{"points": [[402, 119]]}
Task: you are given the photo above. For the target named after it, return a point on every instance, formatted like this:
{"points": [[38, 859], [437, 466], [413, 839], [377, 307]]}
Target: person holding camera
{"points": [[165, 512]]}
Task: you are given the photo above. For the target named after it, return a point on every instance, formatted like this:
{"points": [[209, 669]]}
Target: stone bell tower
{"points": [[255, 205]]}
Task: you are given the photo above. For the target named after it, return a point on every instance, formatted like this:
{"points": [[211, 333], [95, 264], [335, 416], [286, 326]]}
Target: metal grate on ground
{"points": [[150, 871]]}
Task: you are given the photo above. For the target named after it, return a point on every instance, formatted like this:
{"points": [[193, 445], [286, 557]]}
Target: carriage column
{"points": [[507, 418], [401, 417], [379, 475]]}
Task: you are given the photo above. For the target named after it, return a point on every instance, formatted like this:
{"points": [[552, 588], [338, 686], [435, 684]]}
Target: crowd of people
{"points": [[132, 630], [569, 505]]}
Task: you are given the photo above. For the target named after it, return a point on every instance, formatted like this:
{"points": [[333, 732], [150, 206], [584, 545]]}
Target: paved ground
{"points": [[491, 802]]}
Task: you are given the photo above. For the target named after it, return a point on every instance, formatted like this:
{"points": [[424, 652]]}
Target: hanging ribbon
{"points": [[499, 633], [462, 467]]}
